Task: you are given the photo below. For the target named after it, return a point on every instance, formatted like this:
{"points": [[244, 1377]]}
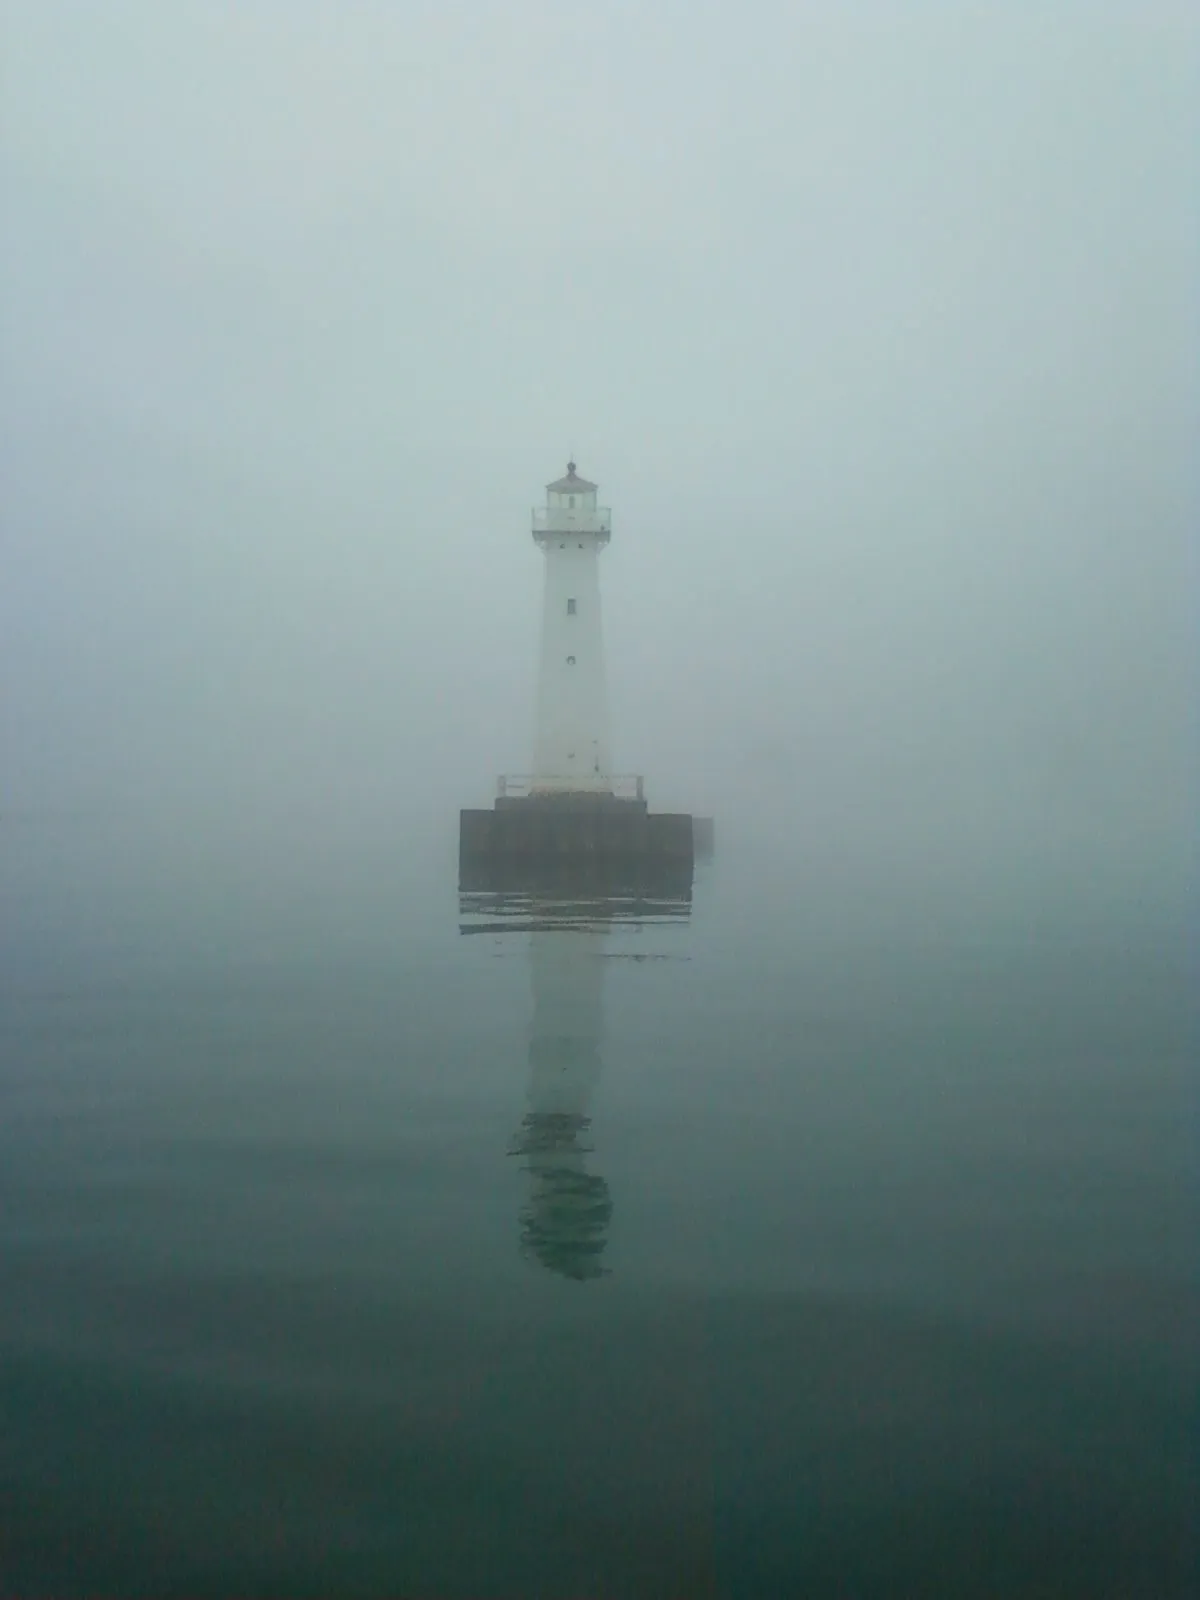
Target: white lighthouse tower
{"points": [[571, 747]]}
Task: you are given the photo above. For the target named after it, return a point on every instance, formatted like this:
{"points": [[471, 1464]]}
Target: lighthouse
{"points": [[572, 818], [571, 752]]}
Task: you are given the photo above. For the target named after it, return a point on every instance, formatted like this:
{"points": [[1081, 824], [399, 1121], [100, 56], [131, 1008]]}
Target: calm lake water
{"points": [[823, 1237]]}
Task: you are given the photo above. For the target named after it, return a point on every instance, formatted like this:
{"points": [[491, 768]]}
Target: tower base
{"points": [[540, 840]]}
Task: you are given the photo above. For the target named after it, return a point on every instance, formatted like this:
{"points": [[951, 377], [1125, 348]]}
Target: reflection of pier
{"points": [[565, 1218], [533, 913]]}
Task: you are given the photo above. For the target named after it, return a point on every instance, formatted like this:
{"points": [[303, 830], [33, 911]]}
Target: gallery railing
{"points": [[622, 785], [594, 520]]}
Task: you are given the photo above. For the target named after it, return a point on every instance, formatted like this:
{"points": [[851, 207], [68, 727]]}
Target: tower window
{"points": [[571, 501], [570, 661], [570, 608]]}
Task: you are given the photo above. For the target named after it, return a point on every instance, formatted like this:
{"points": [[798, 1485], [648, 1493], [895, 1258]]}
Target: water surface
{"points": [[820, 1236]]}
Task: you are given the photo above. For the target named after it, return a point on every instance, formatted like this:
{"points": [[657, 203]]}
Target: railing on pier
{"points": [[622, 786]]}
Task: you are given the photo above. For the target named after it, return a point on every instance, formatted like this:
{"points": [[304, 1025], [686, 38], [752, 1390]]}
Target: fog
{"points": [[876, 326]]}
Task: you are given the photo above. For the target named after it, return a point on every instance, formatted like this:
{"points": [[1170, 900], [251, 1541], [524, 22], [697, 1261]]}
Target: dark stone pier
{"points": [[539, 838]]}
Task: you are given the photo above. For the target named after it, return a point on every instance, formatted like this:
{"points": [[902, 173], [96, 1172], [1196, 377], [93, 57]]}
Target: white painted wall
{"points": [[571, 745]]}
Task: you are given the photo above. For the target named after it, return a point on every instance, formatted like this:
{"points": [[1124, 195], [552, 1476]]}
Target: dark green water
{"points": [[834, 1239]]}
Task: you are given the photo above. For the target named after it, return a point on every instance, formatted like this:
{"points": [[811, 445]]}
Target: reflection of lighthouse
{"points": [[565, 1219]]}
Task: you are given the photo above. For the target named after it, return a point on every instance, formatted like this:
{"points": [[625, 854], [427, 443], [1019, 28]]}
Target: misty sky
{"points": [[875, 323]]}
